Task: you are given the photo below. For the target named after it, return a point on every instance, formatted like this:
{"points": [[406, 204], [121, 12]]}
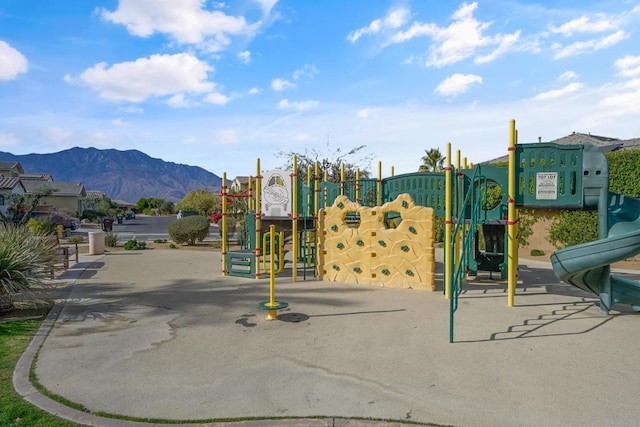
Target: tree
{"points": [[200, 200], [433, 161], [21, 206], [330, 162]]}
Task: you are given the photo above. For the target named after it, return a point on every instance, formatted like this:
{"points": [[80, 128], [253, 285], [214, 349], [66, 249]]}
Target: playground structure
{"points": [[478, 237]]}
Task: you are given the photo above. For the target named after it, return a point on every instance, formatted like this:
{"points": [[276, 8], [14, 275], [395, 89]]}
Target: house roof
{"points": [[60, 188], [242, 179], [4, 165], [37, 176], [9, 183], [94, 194], [604, 142]]}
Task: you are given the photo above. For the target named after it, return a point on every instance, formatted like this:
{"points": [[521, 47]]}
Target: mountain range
{"points": [[122, 175]]}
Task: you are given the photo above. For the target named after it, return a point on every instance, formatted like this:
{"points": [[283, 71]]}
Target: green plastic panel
{"points": [[426, 189], [549, 175]]}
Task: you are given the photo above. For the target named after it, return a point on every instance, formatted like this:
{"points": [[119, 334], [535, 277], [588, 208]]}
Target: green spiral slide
{"points": [[587, 266]]}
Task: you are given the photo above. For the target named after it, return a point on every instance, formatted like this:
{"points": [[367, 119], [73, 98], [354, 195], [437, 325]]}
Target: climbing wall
{"points": [[357, 244]]}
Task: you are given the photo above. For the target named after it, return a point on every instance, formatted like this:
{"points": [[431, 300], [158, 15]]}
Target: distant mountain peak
{"points": [[123, 175]]}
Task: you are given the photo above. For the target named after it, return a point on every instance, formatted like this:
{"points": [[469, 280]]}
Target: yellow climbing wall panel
{"points": [[356, 245]]}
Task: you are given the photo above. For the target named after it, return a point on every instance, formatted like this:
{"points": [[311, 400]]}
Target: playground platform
{"points": [[162, 335]]}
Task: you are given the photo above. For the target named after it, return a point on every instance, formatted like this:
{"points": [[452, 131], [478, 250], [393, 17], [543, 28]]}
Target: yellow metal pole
{"points": [[512, 263], [258, 218], [294, 218], [393, 171], [379, 185], [447, 223], [224, 225], [272, 314], [342, 179], [326, 191]]}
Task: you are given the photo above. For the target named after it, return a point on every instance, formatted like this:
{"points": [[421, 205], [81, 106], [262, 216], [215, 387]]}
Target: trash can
{"points": [[96, 243], [119, 218], [107, 224]]}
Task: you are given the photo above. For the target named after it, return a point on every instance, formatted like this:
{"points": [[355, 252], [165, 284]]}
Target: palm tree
{"points": [[433, 161]]}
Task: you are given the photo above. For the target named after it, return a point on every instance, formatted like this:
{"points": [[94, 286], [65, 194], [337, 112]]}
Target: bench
{"points": [[62, 254]]}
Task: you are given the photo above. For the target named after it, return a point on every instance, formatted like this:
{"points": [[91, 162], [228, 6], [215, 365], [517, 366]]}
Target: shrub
{"points": [[25, 261], [537, 252], [134, 245], [160, 241], [75, 239], [189, 230], [173, 246], [111, 240], [571, 228], [41, 225]]}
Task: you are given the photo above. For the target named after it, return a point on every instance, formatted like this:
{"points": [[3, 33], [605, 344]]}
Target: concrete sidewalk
{"points": [[162, 335]]}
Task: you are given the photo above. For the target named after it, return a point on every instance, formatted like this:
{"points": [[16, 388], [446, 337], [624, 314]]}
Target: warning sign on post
{"points": [[547, 185]]}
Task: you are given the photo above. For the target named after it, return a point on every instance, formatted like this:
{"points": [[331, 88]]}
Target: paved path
{"points": [[161, 334]]}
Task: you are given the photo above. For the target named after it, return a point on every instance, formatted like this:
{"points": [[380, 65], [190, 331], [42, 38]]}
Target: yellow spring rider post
{"points": [[272, 306]]}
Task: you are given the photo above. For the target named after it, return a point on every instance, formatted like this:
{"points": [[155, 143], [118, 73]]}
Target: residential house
{"points": [[8, 186], [239, 184], [10, 169], [66, 196]]}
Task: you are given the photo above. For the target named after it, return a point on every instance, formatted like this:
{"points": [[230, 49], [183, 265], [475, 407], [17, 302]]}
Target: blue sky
{"points": [[219, 84]]}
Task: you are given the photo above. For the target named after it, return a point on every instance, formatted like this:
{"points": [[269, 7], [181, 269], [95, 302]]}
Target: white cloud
{"points": [[185, 21], [267, 5], [8, 139], [395, 19], [55, 134], [245, 56], [119, 122], [158, 75], [279, 85], [217, 98], [131, 109], [460, 40], [254, 91], [179, 101], [559, 93], [285, 104], [366, 113], [585, 24], [568, 75], [227, 136], [12, 62], [304, 137], [619, 102], [308, 70], [628, 66], [457, 84], [589, 46]]}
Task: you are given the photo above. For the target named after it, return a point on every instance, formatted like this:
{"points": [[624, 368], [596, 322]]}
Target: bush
{"points": [[571, 228], [75, 239], [26, 259], [41, 225], [537, 252], [134, 245], [189, 230], [111, 240]]}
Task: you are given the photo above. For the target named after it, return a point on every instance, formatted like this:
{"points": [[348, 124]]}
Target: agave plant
{"points": [[26, 259]]}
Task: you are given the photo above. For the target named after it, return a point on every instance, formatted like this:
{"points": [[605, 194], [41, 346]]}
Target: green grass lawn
{"points": [[15, 411]]}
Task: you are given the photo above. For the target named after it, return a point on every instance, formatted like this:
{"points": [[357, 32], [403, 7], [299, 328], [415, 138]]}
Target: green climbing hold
{"points": [[405, 204], [340, 205], [382, 243], [357, 269], [340, 246], [386, 272], [335, 267], [360, 243], [405, 248], [412, 230], [334, 227], [409, 273]]}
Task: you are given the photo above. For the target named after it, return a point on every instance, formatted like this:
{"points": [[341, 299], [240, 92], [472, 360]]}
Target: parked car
{"points": [[58, 218], [130, 215]]}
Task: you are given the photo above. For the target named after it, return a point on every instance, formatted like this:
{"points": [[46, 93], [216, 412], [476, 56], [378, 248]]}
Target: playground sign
{"points": [[276, 194], [547, 185]]}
